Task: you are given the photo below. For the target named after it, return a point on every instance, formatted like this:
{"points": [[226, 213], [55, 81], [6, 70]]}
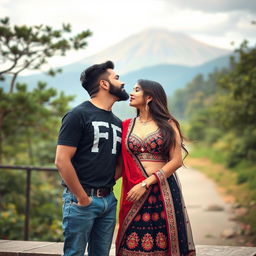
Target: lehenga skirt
{"points": [[147, 233]]}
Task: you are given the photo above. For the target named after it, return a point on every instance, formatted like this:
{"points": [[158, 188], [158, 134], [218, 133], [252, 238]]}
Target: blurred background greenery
{"points": [[217, 111]]}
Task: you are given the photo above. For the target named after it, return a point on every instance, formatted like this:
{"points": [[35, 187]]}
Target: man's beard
{"points": [[118, 92]]}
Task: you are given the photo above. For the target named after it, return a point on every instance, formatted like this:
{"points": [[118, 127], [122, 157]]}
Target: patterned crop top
{"points": [[149, 148]]}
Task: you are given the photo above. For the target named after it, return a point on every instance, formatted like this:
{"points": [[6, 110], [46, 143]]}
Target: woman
{"points": [[153, 218]]}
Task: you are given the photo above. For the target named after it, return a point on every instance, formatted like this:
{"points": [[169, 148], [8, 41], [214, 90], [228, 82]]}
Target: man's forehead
{"points": [[111, 71]]}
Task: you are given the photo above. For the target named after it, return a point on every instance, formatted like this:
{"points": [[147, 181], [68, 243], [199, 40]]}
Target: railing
{"points": [[29, 170]]}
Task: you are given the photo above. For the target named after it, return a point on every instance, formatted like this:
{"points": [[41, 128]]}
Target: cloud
{"points": [[214, 21], [215, 5]]}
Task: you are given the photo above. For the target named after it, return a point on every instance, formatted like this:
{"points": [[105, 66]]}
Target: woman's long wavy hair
{"points": [[159, 111]]}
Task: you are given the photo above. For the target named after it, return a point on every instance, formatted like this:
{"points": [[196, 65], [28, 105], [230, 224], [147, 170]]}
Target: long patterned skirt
{"points": [[147, 233]]}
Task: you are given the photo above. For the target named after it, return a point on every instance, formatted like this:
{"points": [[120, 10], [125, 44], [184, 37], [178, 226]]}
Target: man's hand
{"points": [[85, 201], [66, 169]]}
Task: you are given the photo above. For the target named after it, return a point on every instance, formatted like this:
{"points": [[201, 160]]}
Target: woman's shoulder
{"points": [[173, 123], [127, 121]]}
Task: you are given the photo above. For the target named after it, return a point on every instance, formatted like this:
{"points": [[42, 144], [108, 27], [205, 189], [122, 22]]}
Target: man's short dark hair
{"points": [[90, 76]]}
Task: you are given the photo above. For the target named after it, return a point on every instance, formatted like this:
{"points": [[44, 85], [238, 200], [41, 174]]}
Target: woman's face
{"points": [[137, 99]]}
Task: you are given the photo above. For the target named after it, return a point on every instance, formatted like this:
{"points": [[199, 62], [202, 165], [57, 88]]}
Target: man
{"points": [[87, 151]]}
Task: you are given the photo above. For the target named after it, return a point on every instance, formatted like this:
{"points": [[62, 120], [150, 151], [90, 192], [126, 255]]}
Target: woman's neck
{"points": [[145, 115]]}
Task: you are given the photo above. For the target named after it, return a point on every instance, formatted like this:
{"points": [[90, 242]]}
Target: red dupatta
{"points": [[132, 174]]}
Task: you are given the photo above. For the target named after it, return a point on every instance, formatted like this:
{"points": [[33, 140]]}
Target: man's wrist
{"points": [[83, 198], [84, 201]]}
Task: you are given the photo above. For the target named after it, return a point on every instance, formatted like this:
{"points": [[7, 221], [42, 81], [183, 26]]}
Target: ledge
{"points": [[33, 248]]}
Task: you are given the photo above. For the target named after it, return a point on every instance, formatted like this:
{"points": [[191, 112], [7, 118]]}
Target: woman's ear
{"points": [[149, 98]]}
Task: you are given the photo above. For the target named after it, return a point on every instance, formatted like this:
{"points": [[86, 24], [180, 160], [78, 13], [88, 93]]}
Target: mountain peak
{"points": [[161, 32], [155, 46]]}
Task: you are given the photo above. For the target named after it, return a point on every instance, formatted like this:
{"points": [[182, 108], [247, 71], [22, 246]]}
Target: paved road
{"points": [[199, 193]]}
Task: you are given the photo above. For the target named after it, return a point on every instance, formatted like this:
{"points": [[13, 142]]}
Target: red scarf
{"points": [[131, 175]]}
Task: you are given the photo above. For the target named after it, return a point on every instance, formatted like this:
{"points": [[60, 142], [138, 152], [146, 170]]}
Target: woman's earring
{"points": [[147, 108]]}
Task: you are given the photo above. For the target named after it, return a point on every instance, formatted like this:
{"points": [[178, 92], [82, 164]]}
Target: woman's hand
{"points": [[135, 193]]}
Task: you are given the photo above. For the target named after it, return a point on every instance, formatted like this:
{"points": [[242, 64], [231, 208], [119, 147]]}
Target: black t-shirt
{"points": [[96, 133]]}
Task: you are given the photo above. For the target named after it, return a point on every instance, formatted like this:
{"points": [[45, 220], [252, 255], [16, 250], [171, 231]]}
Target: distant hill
{"points": [[172, 77], [153, 47], [172, 59]]}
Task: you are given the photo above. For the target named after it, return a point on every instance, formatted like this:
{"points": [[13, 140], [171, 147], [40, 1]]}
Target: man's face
{"points": [[116, 87]]}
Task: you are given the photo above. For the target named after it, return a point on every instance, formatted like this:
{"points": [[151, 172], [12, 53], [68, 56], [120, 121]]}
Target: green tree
{"points": [[235, 106], [29, 123], [22, 112], [30, 47]]}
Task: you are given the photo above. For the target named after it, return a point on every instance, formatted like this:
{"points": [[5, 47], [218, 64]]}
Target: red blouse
{"points": [[148, 148]]}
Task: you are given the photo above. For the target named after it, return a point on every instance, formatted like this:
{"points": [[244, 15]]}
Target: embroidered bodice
{"points": [[148, 148]]}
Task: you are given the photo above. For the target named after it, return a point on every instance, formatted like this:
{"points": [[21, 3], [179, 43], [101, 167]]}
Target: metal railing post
{"points": [[27, 211], [28, 170]]}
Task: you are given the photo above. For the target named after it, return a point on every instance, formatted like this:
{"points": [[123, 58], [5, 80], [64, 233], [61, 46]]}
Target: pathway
{"points": [[200, 193]]}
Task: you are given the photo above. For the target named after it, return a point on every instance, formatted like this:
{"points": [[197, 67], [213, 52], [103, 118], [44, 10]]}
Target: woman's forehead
{"points": [[136, 86]]}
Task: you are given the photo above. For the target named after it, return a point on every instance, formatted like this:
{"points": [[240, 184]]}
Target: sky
{"points": [[215, 22]]}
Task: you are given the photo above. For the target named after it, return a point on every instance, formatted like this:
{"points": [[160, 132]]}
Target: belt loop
{"points": [[98, 193]]}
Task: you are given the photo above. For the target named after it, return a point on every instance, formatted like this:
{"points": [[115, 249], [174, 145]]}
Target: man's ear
{"points": [[104, 84]]}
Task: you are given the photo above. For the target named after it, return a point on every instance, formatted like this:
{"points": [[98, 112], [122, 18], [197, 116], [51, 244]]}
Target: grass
{"points": [[117, 192]]}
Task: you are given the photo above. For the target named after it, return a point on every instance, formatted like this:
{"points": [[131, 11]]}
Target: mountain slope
{"points": [[172, 77], [153, 47]]}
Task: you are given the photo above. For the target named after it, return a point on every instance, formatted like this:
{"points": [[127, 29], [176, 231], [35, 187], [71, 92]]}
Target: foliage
{"points": [[235, 106], [29, 124], [221, 113], [45, 213], [221, 109], [11, 204], [30, 47]]}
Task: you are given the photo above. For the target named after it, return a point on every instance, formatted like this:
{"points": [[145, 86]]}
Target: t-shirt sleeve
{"points": [[71, 130]]}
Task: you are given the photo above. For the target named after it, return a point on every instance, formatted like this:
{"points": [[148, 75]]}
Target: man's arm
{"points": [[63, 162]]}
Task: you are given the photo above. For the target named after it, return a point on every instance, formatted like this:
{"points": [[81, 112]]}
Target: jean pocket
{"points": [[114, 197], [74, 202], [66, 198]]}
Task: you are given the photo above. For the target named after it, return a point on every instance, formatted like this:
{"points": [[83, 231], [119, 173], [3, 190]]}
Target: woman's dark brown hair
{"points": [[159, 111]]}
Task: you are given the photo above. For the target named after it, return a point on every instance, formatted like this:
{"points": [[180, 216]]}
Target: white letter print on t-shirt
{"points": [[105, 135], [115, 137], [98, 134]]}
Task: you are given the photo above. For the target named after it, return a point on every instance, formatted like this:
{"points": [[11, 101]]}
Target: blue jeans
{"points": [[91, 225]]}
